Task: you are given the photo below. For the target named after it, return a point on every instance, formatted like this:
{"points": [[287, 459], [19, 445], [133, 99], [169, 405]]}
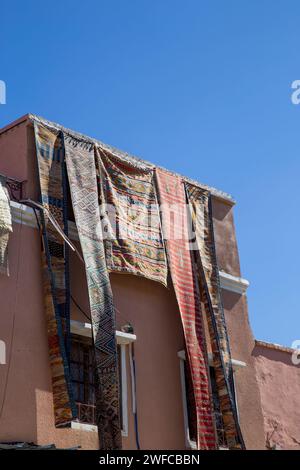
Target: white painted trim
{"points": [[85, 329], [124, 391], [188, 442], [233, 283], [92, 428], [123, 339], [81, 329], [235, 363], [25, 214], [83, 427]]}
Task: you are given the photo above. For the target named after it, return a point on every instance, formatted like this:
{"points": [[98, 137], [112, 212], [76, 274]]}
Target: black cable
{"points": [[88, 317], [37, 219], [79, 308]]}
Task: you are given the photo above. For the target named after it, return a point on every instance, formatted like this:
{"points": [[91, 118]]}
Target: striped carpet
{"points": [[175, 229]]}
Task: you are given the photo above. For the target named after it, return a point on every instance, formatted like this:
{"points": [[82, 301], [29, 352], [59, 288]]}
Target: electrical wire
{"points": [[54, 222], [88, 317], [80, 309], [35, 205]]}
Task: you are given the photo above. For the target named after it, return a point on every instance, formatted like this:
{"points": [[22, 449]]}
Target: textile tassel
{"points": [[50, 158], [200, 208], [80, 160], [175, 230]]}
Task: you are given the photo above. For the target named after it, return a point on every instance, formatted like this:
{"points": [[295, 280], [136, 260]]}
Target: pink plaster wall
{"points": [[25, 384], [225, 238], [152, 309], [17, 155], [279, 383], [13, 151], [239, 328], [28, 406], [247, 390]]}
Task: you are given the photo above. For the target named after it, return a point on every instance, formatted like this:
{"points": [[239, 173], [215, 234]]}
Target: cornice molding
{"points": [[233, 283], [25, 215]]}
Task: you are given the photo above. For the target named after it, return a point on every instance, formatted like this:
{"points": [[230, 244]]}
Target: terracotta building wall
{"points": [[279, 383], [240, 334], [153, 312], [25, 385]]}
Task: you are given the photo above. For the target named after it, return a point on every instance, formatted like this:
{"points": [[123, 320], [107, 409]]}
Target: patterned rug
{"points": [[133, 238], [5, 226], [81, 169], [200, 207], [175, 230], [50, 158]]}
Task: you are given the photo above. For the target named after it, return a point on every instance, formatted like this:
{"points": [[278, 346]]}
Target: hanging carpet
{"points": [[200, 209], [130, 219], [80, 159], [175, 230]]}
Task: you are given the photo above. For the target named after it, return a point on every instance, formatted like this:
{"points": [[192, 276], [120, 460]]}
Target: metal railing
{"points": [[86, 413], [15, 189]]}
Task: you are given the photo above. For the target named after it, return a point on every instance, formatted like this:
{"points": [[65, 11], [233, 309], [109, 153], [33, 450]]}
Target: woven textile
{"points": [[50, 157], [175, 230], [131, 221], [5, 226], [81, 169], [200, 207]]}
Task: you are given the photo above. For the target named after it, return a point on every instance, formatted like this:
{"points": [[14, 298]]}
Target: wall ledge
{"points": [[83, 427], [233, 283], [236, 364], [22, 214], [274, 346], [85, 329]]}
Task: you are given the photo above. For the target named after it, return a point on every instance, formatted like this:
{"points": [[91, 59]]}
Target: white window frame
{"points": [[123, 340], [188, 441], [182, 358]]}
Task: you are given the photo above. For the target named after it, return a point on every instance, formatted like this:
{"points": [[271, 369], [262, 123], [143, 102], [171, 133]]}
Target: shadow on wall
{"points": [[230, 299], [220, 211], [274, 355]]}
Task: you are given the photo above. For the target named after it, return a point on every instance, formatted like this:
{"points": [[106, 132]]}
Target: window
{"points": [[83, 379], [189, 412], [82, 373]]}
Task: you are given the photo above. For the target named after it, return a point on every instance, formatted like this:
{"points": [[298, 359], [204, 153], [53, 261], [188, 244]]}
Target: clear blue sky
{"points": [[201, 87]]}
